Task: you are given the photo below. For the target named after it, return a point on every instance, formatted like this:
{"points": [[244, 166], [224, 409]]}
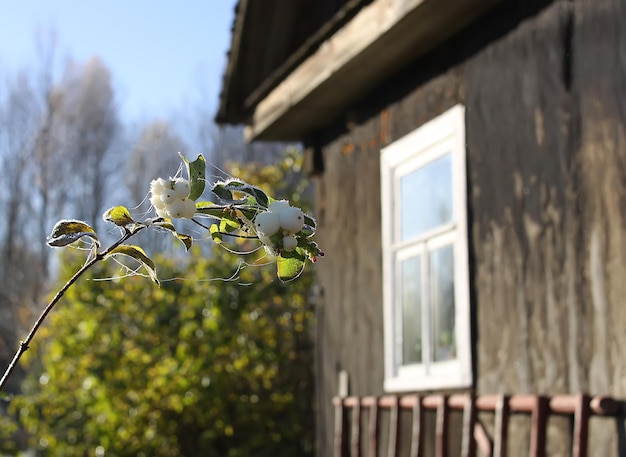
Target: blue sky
{"points": [[162, 54]]}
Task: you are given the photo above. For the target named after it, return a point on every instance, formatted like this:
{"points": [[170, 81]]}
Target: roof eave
{"points": [[226, 112], [381, 39]]}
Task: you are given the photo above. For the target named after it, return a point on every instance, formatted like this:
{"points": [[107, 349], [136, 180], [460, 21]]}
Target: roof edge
{"points": [[234, 54], [382, 37]]}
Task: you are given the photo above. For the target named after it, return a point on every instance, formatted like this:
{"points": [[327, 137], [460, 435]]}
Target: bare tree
{"points": [[55, 148], [153, 155], [20, 270], [90, 118]]}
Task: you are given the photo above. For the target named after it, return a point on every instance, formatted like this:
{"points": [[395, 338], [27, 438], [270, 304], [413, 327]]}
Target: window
{"points": [[425, 265]]}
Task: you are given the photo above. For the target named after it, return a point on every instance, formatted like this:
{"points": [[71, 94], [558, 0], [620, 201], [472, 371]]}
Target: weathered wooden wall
{"points": [[544, 86], [523, 201]]}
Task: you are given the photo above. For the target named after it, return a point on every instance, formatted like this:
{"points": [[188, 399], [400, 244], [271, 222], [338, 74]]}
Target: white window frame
{"points": [[444, 134]]}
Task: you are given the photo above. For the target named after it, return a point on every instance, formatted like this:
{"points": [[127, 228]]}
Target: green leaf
{"points": [[119, 215], [165, 224], [312, 223], [307, 230], [5, 397], [210, 209], [216, 234], [227, 225], [186, 239], [222, 192], [140, 256], [259, 196], [290, 265], [310, 248], [67, 232], [197, 175]]}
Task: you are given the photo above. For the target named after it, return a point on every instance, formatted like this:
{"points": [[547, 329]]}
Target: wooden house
{"points": [[470, 172]]}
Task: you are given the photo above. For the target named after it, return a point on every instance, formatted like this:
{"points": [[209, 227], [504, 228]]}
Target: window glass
{"points": [[426, 198], [442, 299], [411, 280], [425, 262]]}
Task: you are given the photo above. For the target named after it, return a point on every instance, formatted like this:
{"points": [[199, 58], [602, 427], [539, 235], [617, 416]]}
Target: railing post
{"points": [[581, 426], [502, 426], [541, 410], [468, 448], [373, 429], [416, 429], [356, 429], [442, 428], [393, 428], [340, 431]]}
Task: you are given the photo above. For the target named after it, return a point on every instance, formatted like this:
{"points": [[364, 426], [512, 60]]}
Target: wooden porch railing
{"points": [[579, 407]]}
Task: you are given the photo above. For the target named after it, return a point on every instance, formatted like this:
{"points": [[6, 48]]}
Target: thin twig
{"points": [[23, 347]]}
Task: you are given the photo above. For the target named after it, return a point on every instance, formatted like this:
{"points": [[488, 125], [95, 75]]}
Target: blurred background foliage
{"points": [[218, 361]]}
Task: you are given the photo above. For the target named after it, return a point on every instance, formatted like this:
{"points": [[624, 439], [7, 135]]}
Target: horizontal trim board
{"points": [[382, 38]]}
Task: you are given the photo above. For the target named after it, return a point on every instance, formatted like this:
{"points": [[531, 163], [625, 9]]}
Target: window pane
{"points": [[442, 296], [411, 277], [426, 198]]}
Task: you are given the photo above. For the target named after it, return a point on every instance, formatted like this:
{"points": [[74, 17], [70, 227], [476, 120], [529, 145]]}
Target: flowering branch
{"points": [[242, 211]]}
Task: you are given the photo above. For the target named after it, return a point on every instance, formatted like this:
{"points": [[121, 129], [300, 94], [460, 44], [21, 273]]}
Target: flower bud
{"points": [[267, 223], [157, 186], [289, 242], [291, 219], [168, 196], [176, 209], [181, 188], [189, 209], [156, 201], [278, 206]]}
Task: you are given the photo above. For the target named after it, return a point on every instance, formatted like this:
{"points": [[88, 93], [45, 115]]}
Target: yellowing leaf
{"points": [[119, 215], [217, 236], [139, 255], [290, 265], [186, 240], [67, 232]]}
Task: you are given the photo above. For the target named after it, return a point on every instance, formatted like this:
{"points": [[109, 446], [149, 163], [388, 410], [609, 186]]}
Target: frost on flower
{"points": [[169, 198]]}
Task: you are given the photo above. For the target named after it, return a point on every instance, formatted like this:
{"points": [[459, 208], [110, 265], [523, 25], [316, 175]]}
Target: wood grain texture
{"points": [[546, 155]]}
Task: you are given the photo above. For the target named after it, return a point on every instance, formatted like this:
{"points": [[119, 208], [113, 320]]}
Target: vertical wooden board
{"points": [[520, 166], [599, 85], [545, 204], [348, 210], [523, 217]]}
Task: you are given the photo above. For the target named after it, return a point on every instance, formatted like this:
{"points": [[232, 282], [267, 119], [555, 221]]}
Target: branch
{"points": [[23, 347]]}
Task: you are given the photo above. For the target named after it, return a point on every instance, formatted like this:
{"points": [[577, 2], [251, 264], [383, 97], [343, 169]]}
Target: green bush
{"points": [[215, 362], [195, 367]]}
